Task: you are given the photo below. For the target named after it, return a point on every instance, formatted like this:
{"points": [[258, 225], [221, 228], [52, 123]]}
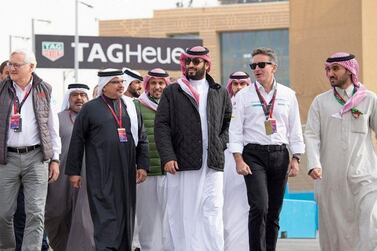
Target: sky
{"points": [[16, 26]]}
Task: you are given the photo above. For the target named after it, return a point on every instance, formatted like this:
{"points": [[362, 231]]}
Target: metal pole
{"points": [[33, 35], [76, 40], [10, 44], [33, 21]]}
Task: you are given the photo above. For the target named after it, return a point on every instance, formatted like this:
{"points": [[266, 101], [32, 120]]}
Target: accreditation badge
{"points": [[16, 122], [270, 126], [122, 135]]}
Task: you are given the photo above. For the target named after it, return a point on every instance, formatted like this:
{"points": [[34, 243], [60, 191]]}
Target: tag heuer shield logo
{"points": [[53, 50]]}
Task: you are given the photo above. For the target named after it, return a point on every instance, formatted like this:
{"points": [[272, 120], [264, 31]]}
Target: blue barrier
{"points": [[300, 196], [299, 215], [298, 219]]}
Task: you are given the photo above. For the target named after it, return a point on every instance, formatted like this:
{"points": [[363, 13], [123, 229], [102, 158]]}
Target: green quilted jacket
{"points": [[154, 157]]}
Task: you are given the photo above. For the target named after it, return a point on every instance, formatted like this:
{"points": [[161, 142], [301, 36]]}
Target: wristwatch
{"points": [[296, 157], [55, 160]]}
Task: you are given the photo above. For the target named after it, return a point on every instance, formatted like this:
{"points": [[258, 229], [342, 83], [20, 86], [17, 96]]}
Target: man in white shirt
{"points": [[265, 123], [29, 136]]}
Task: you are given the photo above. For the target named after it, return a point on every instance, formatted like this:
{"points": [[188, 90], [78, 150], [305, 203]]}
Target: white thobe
{"points": [[195, 198], [347, 192], [151, 213], [236, 206]]}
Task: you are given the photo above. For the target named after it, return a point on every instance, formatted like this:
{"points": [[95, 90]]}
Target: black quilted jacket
{"points": [[178, 133]]}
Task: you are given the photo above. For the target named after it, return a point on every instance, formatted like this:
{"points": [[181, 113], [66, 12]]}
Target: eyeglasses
{"points": [[117, 82], [15, 65], [261, 65], [78, 94], [195, 61]]}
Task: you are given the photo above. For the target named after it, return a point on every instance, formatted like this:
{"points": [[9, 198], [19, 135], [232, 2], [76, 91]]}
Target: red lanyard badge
{"points": [[122, 134], [15, 119]]}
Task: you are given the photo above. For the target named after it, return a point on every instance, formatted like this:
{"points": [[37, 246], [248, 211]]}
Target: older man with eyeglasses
{"points": [[30, 148], [265, 123]]}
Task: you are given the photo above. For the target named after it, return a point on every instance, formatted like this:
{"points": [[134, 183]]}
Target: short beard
{"points": [[339, 83], [134, 93], [200, 74]]}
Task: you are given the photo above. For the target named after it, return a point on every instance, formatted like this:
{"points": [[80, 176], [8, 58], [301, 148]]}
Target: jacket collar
{"points": [[211, 82]]}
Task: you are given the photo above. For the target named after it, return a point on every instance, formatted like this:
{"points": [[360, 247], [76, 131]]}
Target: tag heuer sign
{"points": [[56, 51], [53, 50]]}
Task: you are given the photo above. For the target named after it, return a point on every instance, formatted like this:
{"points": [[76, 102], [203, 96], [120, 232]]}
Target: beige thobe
{"points": [[347, 192]]}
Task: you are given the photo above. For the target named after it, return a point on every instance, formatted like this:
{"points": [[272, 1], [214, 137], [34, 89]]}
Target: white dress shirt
{"points": [[29, 134], [247, 124]]}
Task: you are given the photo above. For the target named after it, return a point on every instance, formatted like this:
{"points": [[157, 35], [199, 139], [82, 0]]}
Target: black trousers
{"points": [[265, 192]]}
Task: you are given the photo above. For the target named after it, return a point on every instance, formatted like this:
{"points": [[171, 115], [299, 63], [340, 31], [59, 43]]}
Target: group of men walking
{"points": [[199, 166]]}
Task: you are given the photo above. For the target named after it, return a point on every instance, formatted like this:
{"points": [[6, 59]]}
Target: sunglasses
{"points": [[195, 61], [261, 65]]}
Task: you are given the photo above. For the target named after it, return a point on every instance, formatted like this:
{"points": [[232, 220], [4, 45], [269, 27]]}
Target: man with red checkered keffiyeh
{"points": [[191, 132], [341, 159]]}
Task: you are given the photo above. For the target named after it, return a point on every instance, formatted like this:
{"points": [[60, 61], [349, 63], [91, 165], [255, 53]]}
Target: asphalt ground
{"points": [[298, 245]]}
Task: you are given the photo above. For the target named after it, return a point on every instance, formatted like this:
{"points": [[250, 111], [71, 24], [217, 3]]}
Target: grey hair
{"points": [[29, 56], [266, 51]]}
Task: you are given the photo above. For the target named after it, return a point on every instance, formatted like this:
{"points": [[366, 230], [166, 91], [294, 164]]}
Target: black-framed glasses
{"points": [[261, 65], [195, 61]]}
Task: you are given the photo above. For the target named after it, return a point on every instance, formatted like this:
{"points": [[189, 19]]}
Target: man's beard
{"points": [[340, 82], [135, 93], [199, 74]]}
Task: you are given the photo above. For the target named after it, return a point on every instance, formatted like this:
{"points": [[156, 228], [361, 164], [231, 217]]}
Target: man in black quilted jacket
{"points": [[191, 132]]}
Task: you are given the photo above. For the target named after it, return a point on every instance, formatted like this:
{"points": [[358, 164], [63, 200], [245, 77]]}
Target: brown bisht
{"points": [[67, 220]]}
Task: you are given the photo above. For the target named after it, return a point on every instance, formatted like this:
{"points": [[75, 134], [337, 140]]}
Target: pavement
{"points": [[298, 245], [293, 245]]}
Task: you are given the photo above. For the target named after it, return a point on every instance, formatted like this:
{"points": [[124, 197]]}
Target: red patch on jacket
{"points": [[41, 95]]}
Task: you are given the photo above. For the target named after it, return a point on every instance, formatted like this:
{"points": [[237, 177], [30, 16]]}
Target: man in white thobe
{"points": [[341, 158], [151, 202], [191, 132], [236, 207]]}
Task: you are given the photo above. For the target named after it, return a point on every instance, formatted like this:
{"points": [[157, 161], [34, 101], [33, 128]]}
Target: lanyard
{"points": [[16, 102], [342, 101], [118, 119], [340, 98], [267, 108]]}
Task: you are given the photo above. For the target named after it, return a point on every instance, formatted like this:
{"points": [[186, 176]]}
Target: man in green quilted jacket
{"points": [[151, 202]]}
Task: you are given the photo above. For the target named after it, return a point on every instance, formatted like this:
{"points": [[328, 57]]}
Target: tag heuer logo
{"points": [[53, 50]]}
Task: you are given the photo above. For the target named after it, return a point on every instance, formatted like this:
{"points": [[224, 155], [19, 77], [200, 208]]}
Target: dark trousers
{"points": [[19, 222], [265, 192]]}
